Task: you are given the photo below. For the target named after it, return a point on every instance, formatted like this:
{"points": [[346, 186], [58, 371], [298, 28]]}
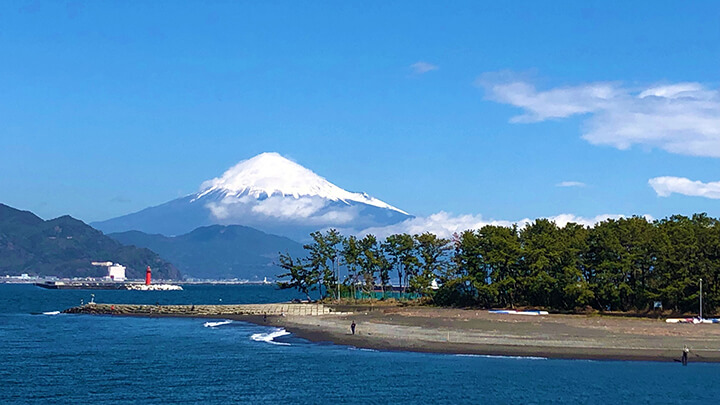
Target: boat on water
{"points": [[81, 285], [153, 287], [116, 276], [106, 285]]}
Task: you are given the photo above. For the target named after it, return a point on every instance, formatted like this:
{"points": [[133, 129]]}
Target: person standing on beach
{"points": [[686, 350], [352, 327]]}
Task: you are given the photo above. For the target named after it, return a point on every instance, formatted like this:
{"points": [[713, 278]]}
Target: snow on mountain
{"points": [[267, 192], [269, 174]]}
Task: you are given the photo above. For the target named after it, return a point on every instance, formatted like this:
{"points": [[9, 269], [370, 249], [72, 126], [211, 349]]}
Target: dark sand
{"points": [[458, 331]]}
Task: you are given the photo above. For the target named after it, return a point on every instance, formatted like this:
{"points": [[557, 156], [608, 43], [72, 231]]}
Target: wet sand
{"points": [[439, 330], [459, 331]]}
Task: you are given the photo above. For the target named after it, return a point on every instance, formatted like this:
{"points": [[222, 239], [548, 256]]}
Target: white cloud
{"points": [[281, 207], [682, 118], [564, 219], [444, 224], [667, 185], [570, 184], [303, 210], [423, 67]]}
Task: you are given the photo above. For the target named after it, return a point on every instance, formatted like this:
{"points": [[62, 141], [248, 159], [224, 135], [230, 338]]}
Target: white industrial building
{"points": [[116, 271]]}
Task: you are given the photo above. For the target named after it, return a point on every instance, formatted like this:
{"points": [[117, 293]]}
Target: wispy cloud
{"points": [[423, 67], [120, 199], [570, 184], [682, 118], [445, 224], [667, 185]]}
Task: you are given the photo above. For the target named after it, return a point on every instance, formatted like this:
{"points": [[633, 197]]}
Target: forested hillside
{"points": [[65, 247], [217, 252]]}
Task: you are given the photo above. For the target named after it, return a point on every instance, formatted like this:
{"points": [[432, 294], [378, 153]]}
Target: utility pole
{"points": [[701, 299]]}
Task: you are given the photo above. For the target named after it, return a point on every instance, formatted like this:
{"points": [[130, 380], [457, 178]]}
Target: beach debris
{"points": [[514, 312], [694, 320]]}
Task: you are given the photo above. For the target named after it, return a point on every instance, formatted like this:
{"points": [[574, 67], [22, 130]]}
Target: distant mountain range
{"points": [[218, 252], [65, 247], [269, 193], [215, 226]]}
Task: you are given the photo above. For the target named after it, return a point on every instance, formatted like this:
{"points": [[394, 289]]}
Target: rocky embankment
{"points": [[202, 310]]}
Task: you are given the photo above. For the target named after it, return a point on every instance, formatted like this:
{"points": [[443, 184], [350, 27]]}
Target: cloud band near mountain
{"points": [[445, 224]]}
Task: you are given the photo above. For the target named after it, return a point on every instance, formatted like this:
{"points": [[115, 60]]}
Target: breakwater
{"points": [[279, 309]]}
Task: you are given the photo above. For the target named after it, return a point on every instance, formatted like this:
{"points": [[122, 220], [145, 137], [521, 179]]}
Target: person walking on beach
{"points": [[685, 352], [352, 327]]}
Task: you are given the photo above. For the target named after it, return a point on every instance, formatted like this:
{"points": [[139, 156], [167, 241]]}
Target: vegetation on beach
{"points": [[619, 264]]}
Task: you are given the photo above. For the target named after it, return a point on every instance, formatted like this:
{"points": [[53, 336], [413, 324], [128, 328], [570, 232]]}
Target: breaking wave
{"points": [[362, 349], [492, 356], [215, 324], [269, 337], [52, 313]]}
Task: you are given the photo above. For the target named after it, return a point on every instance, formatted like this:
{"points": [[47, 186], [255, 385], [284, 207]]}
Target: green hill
{"points": [[65, 247], [218, 252]]}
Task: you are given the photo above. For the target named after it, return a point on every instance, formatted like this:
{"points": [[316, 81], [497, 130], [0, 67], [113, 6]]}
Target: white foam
{"points": [[52, 313], [362, 349], [269, 337], [215, 324], [492, 356]]}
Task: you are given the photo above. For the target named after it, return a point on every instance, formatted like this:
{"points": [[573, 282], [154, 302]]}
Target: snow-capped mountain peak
{"points": [[270, 174], [267, 192]]}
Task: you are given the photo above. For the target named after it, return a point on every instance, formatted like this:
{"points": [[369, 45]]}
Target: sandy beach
{"points": [[442, 330], [460, 331]]}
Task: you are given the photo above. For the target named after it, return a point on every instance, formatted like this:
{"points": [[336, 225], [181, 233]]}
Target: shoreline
{"points": [[471, 332], [367, 340]]}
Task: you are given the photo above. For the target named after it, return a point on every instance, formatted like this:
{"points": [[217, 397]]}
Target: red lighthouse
{"points": [[147, 276]]}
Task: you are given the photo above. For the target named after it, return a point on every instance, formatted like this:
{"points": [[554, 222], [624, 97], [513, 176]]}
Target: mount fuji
{"points": [[267, 192]]}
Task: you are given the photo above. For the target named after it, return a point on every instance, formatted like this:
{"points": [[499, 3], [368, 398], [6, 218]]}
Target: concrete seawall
{"points": [[204, 310]]}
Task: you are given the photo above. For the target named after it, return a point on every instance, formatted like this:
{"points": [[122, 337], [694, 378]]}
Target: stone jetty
{"points": [[280, 309]]}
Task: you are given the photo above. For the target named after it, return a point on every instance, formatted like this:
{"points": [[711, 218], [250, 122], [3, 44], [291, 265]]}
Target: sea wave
{"points": [[215, 324], [269, 337], [52, 313], [362, 349], [493, 356]]}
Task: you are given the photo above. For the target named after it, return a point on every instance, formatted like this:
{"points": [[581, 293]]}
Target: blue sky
{"points": [[471, 108]]}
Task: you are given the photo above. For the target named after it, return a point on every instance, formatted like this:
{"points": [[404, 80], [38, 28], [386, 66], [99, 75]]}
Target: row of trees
{"points": [[624, 264]]}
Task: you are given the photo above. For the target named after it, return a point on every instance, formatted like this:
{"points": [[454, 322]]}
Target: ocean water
{"points": [[47, 357]]}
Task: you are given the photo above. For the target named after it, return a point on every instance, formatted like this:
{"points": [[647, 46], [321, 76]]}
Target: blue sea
{"points": [[60, 358]]}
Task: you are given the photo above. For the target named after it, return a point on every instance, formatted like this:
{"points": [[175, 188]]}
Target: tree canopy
{"points": [[619, 264]]}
